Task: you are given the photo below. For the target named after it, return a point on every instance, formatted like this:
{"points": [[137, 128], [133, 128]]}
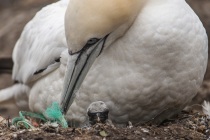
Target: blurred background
{"points": [[14, 14]]}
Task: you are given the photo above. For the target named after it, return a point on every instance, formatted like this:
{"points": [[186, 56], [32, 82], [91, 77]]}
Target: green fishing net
{"points": [[54, 113]]}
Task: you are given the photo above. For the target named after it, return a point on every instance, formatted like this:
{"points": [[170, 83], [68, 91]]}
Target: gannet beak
{"points": [[98, 117], [77, 71]]}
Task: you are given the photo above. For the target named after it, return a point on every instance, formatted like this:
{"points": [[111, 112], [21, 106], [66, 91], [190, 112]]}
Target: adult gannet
{"points": [[38, 50], [149, 58], [36, 53]]}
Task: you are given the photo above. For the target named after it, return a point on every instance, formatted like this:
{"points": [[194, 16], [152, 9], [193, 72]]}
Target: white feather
{"points": [[206, 108], [41, 42], [16, 94]]}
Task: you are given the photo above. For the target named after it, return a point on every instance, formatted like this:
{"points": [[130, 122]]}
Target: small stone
{"points": [[165, 129], [13, 128], [208, 123], [103, 133], [137, 132], [201, 128], [145, 130], [1, 118], [22, 131], [54, 124], [14, 136]]}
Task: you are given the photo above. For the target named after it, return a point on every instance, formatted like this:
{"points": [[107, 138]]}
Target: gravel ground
{"points": [[186, 126]]}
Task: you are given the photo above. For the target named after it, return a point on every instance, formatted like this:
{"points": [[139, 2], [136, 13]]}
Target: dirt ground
{"points": [[185, 126], [14, 14]]}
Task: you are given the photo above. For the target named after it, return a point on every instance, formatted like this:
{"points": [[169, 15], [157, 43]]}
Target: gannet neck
{"points": [[96, 19]]}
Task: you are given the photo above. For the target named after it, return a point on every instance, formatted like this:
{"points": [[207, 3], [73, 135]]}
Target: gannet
{"points": [[36, 53], [145, 59], [97, 112]]}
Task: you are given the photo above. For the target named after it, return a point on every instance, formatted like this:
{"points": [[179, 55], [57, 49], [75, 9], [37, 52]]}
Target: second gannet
{"points": [[40, 56], [36, 54], [145, 59], [37, 51]]}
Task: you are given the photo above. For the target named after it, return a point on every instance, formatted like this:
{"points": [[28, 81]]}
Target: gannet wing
{"points": [[38, 49]]}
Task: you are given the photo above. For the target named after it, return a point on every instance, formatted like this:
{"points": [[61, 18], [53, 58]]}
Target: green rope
{"points": [[18, 121], [52, 113], [34, 115]]}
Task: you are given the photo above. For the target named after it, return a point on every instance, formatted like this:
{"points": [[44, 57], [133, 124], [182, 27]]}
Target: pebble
{"points": [[14, 136], [130, 125], [2, 120], [145, 130], [137, 132]]}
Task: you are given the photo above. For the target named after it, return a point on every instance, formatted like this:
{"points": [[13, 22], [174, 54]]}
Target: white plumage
{"points": [[152, 65], [150, 72], [37, 53], [40, 44], [206, 108]]}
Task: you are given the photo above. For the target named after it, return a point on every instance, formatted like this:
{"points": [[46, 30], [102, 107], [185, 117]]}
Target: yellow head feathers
{"points": [[87, 19]]}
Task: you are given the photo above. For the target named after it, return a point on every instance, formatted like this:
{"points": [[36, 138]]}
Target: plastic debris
{"points": [[52, 114], [22, 121]]}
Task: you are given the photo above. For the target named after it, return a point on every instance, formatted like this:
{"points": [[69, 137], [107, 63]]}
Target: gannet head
{"points": [[38, 50], [34, 58], [33, 61], [90, 26], [87, 21]]}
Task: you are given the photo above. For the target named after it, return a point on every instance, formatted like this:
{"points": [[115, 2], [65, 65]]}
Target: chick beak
{"points": [[98, 117]]}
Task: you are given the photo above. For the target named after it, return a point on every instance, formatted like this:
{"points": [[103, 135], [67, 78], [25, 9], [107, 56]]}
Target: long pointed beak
{"points": [[77, 69]]}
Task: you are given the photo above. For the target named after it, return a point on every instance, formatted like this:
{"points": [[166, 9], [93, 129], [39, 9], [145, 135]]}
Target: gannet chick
{"points": [[145, 59], [97, 112]]}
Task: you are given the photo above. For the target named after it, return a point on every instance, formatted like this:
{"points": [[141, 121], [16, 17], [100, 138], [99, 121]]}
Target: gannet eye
{"points": [[92, 41], [57, 60]]}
